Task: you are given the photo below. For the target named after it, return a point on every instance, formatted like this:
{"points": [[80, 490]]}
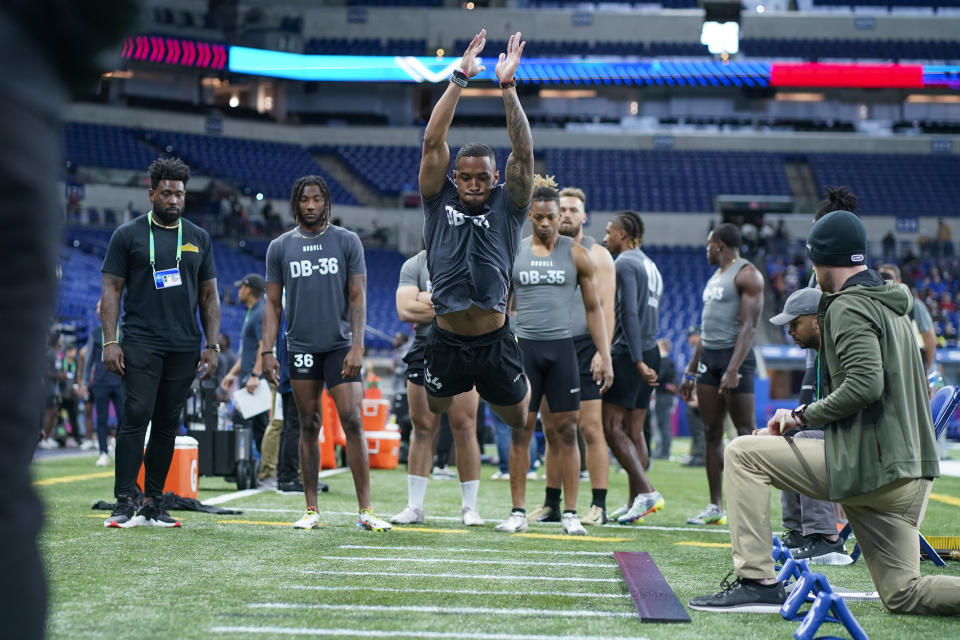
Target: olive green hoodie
{"points": [[874, 409]]}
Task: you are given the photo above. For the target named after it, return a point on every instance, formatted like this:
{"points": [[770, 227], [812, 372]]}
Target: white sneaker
{"points": [[516, 523], [410, 515], [643, 504], [103, 460], [470, 517], [443, 473], [48, 444], [531, 475], [111, 445], [618, 512], [572, 526], [88, 444], [368, 520], [310, 520], [500, 475]]}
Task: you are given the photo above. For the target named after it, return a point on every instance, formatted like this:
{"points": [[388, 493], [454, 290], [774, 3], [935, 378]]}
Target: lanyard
{"points": [[153, 257]]}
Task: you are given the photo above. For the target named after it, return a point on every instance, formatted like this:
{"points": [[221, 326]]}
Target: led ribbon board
{"points": [[611, 70]]}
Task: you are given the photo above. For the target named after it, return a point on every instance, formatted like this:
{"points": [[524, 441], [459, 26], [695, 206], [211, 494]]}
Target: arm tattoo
{"points": [[520, 164], [358, 307], [210, 310]]}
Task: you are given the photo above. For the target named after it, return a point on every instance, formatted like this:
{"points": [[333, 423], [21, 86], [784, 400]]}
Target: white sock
{"points": [[468, 492], [416, 490]]}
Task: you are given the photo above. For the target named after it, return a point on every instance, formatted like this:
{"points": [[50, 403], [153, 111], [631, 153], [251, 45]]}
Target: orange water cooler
{"points": [[183, 478]]}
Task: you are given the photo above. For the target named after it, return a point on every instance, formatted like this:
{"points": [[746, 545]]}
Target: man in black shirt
{"points": [[165, 263], [472, 234]]}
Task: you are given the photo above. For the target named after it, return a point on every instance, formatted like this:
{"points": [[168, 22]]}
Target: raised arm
{"points": [[109, 317], [519, 171], [271, 325], [435, 161], [210, 319], [602, 374], [749, 283]]}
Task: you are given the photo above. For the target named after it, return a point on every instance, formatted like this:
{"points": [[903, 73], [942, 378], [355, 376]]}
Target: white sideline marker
{"points": [[608, 554], [393, 574], [473, 611], [466, 592], [516, 563], [434, 635]]}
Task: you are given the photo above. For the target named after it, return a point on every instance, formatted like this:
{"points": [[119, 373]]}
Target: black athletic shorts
{"points": [[629, 390], [414, 361], [713, 363], [551, 367], [492, 362], [325, 366], [589, 390]]}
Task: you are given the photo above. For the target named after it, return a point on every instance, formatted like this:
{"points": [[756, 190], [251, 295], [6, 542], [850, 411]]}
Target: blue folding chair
{"points": [[942, 407]]}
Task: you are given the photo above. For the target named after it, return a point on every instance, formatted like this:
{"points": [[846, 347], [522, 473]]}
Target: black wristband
{"points": [[263, 353], [507, 85], [459, 78]]}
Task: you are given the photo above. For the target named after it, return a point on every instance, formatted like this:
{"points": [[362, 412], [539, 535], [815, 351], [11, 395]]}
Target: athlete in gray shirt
{"points": [[321, 267], [635, 362], [472, 231], [415, 304]]}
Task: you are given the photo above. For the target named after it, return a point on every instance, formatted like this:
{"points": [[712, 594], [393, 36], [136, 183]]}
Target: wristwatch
{"points": [[798, 415], [215, 347]]}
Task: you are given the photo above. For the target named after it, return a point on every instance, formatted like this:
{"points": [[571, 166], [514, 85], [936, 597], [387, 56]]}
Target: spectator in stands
{"points": [[944, 239], [889, 246], [161, 339], [106, 388], [879, 457], [926, 338]]}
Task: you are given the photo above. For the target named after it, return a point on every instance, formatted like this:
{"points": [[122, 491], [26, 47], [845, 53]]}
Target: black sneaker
{"points": [[122, 516], [293, 486], [152, 515], [819, 550], [742, 596], [793, 540]]}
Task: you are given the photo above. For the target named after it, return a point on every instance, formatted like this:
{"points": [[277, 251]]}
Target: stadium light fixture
{"points": [[721, 26]]}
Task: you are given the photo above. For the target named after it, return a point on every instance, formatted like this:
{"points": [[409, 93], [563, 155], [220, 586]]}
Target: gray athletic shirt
{"points": [[544, 287], [639, 289], [315, 273], [720, 323], [414, 273], [470, 255], [578, 313]]}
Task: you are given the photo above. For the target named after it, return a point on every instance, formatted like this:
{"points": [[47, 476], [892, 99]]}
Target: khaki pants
{"points": [[886, 521], [270, 450]]}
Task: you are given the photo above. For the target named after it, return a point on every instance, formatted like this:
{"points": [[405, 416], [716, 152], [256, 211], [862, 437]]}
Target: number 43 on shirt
{"points": [[306, 268]]}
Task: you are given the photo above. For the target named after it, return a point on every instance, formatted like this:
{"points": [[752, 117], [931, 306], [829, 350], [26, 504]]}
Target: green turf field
{"points": [[252, 575]]}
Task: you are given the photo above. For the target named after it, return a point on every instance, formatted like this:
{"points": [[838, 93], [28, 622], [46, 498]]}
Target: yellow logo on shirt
{"points": [[190, 247]]}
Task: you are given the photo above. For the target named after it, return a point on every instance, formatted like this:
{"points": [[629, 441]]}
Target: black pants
{"points": [[258, 425], [103, 395], [288, 465], [29, 167], [155, 389]]}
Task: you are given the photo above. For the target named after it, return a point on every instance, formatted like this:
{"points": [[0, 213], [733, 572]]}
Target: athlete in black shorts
{"points": [[636, 360], [472, 234]]}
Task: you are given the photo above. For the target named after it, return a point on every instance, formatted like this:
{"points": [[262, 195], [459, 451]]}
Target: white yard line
{"points": [[433, 635], [235, 495], [606, 527], [434, 549], [472, 611], [501, 577], [517, 563], [466, 592]]}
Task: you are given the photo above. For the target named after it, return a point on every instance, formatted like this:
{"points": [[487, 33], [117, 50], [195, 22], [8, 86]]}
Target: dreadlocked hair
{"points": [[632, 224], [297, 191], [169, 168], [838, 199], [544, 189]]}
